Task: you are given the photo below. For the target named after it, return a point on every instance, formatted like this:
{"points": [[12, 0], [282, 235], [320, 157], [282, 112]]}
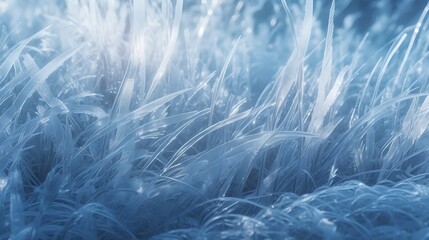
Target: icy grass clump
{"points": [[213, 119]]}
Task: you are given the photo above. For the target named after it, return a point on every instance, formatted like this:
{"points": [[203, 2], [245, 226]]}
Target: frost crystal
{"points": [[271, 119]]}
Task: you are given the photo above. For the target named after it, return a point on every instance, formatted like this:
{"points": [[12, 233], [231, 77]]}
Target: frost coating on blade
{"points": [[291, 119]]}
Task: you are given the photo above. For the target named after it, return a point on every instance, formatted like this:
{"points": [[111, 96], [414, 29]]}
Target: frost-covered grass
{"points": [[214, 119]]}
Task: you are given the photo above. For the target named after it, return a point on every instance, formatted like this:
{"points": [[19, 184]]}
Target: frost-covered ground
{"points": [[183, 119]]}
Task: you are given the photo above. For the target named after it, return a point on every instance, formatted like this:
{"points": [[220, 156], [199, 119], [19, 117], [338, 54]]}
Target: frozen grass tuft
{"points": [[218, 119]]}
